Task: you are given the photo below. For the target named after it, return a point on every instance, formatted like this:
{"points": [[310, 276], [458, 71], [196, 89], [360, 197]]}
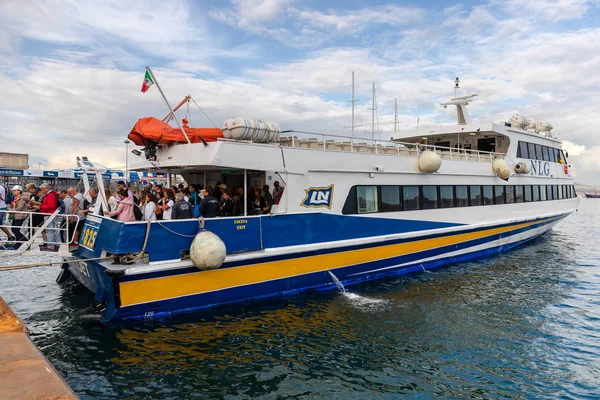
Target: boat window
{"points": [[462, 196], [475, 195], [549, 192], [543, 192], [571, 192], [447, 196], [488, 195], [552, 154], [557, 156], [536, 192], [531, 148], [366, 197], [518, 193], [510, 194], [498, 194], [410, 195], [546, 153], [561, 192], [538, 152], [574, 191], [390, 198], [527, 193], [554, 192], [430, 197], [522, 150]]}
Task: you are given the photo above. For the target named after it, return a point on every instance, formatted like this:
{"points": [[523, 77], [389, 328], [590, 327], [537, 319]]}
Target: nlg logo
{"points": [[318, 197]]}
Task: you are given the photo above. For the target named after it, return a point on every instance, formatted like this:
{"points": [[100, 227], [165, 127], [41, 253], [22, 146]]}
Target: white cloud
{"points": [[357, 20], [551, 10], [78, 93]]}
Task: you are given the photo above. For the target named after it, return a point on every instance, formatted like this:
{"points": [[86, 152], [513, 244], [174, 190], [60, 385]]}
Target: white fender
{"points": [[429, 161], [522, 168], [207, 251], [501, 169]]}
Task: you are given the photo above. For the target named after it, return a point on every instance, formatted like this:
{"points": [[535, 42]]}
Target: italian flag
{"points": [[147, 82]]}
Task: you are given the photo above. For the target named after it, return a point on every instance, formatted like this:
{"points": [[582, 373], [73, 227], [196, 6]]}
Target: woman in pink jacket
{"points": [[124, 211]]}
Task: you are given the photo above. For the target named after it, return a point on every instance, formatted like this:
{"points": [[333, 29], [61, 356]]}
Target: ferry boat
{"points": [[594, 195], [352, 208]]}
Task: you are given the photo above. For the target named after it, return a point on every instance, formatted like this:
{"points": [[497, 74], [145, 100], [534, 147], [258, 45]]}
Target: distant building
{"points": [[14, 160]]}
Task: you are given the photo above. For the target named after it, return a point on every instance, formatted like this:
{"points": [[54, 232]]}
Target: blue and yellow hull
{"points": [[162, 292]]}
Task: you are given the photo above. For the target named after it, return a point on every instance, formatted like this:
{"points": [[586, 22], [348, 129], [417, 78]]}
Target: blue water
{"points": [[525, 324]]}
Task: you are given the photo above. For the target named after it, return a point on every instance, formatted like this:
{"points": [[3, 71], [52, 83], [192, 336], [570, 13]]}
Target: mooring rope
{"points": [[27, 266]]}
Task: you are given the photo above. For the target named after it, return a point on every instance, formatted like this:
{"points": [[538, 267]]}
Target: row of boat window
{"points": [[539, 152], [387, 198]]}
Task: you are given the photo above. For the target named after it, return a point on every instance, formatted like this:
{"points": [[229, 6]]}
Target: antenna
{"points": [[396, 122], [456, 85], [352, 101]]}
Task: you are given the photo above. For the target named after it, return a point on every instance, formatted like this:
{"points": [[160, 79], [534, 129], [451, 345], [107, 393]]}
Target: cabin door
{"points": [[487, 144]]}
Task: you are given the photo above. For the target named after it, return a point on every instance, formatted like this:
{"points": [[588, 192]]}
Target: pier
{"points": [[25, 372]]}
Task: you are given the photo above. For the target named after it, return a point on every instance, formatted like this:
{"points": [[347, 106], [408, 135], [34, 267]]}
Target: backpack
{"points": [[61, 204], [9, 196], [137, 213]]}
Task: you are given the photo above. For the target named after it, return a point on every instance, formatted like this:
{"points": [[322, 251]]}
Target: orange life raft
{"points": [[152, 130]]}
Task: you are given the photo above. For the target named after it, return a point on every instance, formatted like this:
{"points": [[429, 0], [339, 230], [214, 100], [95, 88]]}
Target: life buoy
{"points": [[566, 168]]}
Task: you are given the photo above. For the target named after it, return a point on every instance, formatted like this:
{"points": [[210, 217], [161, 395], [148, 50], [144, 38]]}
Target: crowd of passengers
{"points": [[161, 203], [152, 204]]}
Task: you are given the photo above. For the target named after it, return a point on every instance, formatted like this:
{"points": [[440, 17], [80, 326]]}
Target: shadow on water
{"points": [[494, 328]]}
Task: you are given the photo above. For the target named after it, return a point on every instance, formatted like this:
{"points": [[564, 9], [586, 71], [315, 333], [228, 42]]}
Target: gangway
{"points": [[56, 223]]}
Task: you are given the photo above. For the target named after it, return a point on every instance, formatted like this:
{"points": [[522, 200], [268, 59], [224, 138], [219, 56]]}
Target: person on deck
{"points": [[79, 210], [168, 203], [227, 205], [124, 211], [19, 203], [48, 206], [182, 209], [267, 196], [193, 195], [68, 202], [122, 186], [277, 192], [3, 213], [210, 205], [150, 207], [260, 205]]}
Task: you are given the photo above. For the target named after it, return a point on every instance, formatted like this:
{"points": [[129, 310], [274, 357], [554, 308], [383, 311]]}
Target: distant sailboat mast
{"points": [[374, 116], [352, 125]]}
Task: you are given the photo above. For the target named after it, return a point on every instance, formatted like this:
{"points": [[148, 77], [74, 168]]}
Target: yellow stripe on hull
{"points": [[154, 289]]}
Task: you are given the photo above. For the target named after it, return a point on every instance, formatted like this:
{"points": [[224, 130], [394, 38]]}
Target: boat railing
{"points": [[323, 141], [57, 229]]}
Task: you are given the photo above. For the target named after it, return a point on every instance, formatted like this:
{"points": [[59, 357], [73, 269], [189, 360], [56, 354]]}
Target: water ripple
{"points": [[524, 324]]}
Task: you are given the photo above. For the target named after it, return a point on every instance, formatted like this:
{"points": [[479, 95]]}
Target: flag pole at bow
{"points": [[146, 86]]}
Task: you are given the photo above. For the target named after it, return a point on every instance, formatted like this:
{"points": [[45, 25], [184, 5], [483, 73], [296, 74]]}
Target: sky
{"points": [[71, 71]]}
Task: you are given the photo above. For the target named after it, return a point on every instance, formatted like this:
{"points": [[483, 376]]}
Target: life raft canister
{"points": [[566, 168]]}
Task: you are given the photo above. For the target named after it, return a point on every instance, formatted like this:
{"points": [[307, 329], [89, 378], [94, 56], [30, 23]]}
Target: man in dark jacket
{"points": [[209, 206], [182, 209]]}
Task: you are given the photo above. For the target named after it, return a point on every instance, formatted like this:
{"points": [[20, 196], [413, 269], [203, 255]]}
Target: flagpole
{"points": [[168, 105]]}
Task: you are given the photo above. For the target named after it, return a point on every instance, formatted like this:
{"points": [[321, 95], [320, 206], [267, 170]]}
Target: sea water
{"points": [[524, 324]]}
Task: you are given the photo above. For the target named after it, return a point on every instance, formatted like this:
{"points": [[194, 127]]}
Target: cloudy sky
{"points": [[71, 71]]}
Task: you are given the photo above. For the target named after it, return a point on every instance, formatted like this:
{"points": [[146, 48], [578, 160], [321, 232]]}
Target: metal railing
{"points": [[377, 146], [53, 227]]}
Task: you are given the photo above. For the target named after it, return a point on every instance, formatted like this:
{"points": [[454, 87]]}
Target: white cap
{"points": [[17, 187]]}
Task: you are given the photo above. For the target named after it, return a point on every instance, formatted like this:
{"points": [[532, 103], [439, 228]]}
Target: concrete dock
{"points": [[25, 373]]}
